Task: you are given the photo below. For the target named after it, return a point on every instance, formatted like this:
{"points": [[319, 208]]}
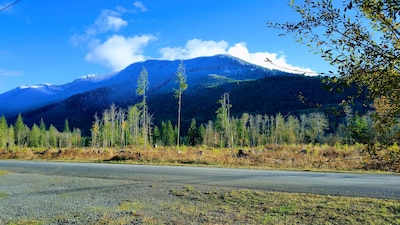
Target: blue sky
{"points": [[58, 41]]}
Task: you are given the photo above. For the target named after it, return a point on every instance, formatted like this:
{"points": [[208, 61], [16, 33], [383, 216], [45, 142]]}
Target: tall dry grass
{"points": [[296, 157]]}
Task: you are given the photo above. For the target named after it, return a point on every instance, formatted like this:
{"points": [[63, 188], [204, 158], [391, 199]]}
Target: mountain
{"points": [[205, 70], [252, 88]]}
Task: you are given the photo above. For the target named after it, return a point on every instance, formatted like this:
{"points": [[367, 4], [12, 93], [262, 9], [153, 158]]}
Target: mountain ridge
{"points": [[161, 72], [253, 89]]}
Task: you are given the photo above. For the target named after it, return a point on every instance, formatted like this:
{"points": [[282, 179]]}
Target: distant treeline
{"points": [[121, 127]]}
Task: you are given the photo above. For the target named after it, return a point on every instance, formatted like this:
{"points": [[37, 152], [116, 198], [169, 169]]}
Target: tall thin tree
{"points": [[181, 79], [142, 87]]}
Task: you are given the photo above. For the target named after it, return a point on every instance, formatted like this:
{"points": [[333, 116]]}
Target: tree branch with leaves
{"points": [[361, 38]]}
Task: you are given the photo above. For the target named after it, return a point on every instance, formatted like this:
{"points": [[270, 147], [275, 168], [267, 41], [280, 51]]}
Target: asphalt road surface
{"points": [[345, 184]]}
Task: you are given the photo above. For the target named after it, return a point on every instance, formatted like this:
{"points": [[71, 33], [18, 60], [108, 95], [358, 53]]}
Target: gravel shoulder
{"points": [[72, 200], [80, 193]]}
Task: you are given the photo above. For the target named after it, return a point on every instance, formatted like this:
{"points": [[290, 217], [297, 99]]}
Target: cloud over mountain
{"points": [[108, 46], [118, 51]]}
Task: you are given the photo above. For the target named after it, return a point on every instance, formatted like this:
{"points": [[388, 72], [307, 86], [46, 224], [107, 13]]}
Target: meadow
{"points": [[288, 157]]}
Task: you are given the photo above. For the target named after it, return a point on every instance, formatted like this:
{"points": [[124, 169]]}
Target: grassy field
{"points": [[227, 206], [292, 157], [255, 207]]}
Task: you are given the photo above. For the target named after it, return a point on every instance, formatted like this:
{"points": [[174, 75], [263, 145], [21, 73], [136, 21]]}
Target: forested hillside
{"points": [[273, 110], [278, 94], [288, 95]]}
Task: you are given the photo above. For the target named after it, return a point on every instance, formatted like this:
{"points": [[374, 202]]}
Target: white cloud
{"points": [[118, 51], [109, 20], [196, 48], [139, 5], [115, 51]]}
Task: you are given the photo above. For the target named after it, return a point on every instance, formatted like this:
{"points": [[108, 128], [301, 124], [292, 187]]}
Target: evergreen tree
{"points": [[192, 134], [169, 134], [66, 126], [201, 133], [34, 137], [156, 135], [19, 130]]}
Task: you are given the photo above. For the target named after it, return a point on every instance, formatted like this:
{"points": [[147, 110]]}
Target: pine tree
{"points": [[34, 136], [19, 130], [156, 135], [192, 134], [66, 126], [201, 134], [169, 134]]}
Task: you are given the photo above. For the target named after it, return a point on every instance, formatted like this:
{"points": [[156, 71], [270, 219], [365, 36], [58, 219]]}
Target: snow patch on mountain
{"points": [[161, 78]]}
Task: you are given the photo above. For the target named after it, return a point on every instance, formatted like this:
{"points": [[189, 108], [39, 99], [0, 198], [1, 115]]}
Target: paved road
{"points": [[362, 185]]}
